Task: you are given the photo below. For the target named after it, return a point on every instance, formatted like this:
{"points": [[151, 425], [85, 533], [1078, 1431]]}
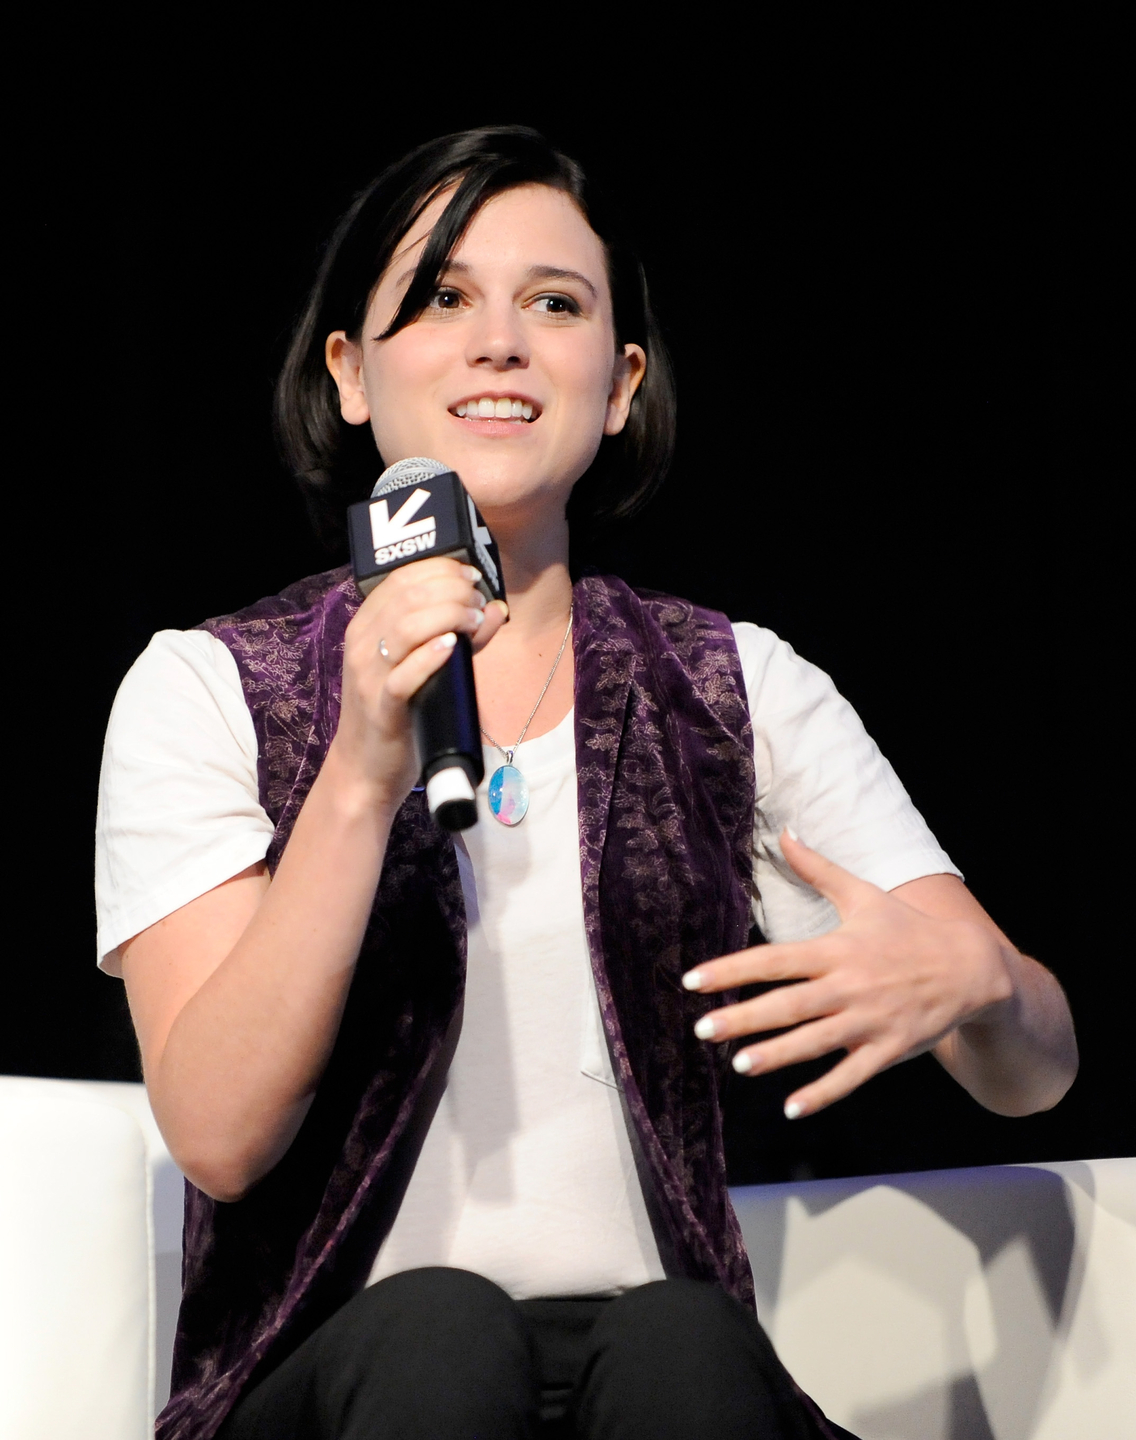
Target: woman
{"points": [[435, 1198]]}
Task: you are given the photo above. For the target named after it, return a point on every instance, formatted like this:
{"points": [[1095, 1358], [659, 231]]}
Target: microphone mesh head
{"points": [[415, 470]]}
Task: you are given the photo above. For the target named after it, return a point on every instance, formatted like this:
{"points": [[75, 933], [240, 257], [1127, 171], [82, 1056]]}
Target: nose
{"points": [[497, 340]]}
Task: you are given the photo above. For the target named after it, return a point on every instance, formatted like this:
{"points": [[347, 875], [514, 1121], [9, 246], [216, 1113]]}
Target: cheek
{"points": [[403, 362], [583, 374], [400, 378]]}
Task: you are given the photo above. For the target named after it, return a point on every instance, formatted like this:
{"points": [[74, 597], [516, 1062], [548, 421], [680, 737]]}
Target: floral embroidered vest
{"points": [[666, 800]]}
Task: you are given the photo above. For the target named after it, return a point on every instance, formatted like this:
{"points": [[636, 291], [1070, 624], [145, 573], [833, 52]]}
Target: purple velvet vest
{"points": [[666, 801]]}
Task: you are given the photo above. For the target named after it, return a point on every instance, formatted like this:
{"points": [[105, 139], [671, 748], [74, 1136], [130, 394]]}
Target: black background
{"points": [[887, 267]]}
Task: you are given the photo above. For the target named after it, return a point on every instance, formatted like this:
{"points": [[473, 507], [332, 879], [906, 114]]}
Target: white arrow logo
{"points": [[387, 529], [481, 542]]}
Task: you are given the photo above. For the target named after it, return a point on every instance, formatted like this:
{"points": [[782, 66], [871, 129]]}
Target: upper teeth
{"points": [[489, 409]]}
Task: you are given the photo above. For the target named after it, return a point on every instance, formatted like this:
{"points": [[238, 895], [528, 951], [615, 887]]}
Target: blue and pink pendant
{"points": [[508, 793]]}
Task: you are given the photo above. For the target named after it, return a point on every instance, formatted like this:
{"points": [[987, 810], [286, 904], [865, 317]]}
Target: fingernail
{"points": [[742, 1063], [793, 1109], [446, 642], [705, 1028], [478, 618], [471, 573], [692, 980], [479, 599], [792, 834], [504, 606]]}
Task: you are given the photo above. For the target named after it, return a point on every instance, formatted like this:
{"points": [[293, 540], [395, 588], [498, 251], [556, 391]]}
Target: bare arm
{"points": [[237, 997], [920, 968], [1020, 1055]]}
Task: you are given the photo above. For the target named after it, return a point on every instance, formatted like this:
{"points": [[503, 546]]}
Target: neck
{"points": [[534, 559], [512, 669]]}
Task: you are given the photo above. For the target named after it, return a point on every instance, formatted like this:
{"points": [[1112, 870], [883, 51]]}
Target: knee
{"points": [[425, 1303], [672, 1306], [438, 1287], [685, 1359]]}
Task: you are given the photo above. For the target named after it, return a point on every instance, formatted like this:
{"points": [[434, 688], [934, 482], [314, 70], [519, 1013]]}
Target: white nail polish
{"points": [[472, 573], [446, 642], [478, 617], [692, 981], [742, 1063], [792, 834], [793, 1109], [705, 1028]]}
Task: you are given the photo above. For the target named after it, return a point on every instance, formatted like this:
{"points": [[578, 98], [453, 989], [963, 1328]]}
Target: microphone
{"points": [[432, 514]]}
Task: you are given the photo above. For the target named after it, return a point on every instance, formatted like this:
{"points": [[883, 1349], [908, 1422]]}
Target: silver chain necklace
{"points": [[508, 788]]}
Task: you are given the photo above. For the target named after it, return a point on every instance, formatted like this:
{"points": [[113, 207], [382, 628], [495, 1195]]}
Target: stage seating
{"points": [[993, 1304]]}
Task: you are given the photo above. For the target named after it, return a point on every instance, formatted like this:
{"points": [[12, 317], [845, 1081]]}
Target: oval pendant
{"points": [[508, 795]]}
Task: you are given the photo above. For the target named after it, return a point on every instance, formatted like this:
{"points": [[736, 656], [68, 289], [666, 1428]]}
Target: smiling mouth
{"points": [[506, 407]]}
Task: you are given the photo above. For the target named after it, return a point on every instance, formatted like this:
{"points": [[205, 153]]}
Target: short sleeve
{"points": [[179, 811], [820, 772]]}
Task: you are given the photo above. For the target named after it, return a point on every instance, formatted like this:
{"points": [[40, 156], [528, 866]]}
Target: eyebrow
{"points": [[534, 272], [554, 272]]}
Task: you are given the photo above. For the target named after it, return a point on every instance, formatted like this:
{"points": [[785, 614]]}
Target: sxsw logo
{"points": [[397, 536]]}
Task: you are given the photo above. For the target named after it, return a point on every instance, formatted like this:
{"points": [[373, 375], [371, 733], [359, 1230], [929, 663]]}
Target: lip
{"points": [[493, 429], [490, 394]]}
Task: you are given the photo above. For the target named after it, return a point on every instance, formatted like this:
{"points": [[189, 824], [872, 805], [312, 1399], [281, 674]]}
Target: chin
{"points": [[514, 495]]}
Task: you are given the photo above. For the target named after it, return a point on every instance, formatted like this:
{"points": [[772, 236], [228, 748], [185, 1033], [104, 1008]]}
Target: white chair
{"points": [[992, 1304], [988, 1304], [90, 1261]]}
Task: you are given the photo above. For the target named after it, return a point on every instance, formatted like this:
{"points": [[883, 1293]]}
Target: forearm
{"points": [[1021, 1055], [238, 1070]]}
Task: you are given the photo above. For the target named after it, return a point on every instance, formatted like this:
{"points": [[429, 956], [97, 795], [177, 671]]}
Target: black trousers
{"points": [[439, 1353]]}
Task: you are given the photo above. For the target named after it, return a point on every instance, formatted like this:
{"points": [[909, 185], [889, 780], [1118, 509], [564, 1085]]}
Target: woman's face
{"points": [[510, 375]]}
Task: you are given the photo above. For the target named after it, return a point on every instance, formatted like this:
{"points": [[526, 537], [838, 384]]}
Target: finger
{"points": [[768, 1012], [419, 571], [437, 589], [833, 882], [794, 960], [863, 1062], [806, 1042], [406, 633], [408, 677], [496, 613], [399, 588]]}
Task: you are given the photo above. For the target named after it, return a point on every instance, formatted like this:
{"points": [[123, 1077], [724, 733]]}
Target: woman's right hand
{"points": [[415, 615]]}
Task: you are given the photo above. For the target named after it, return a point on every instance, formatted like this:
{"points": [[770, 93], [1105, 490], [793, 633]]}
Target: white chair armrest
{"points": [[988, 1304], [76, 1300]]}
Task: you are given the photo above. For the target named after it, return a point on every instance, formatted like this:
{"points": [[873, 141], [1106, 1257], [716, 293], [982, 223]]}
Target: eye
{"points": [[555, 305], [446, 299]]}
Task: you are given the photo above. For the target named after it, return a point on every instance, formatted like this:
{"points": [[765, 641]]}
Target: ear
{"points": [[630, 367], [345, 361]]}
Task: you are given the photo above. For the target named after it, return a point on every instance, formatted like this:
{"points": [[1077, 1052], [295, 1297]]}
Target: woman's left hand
{"points": [[890, 982]]}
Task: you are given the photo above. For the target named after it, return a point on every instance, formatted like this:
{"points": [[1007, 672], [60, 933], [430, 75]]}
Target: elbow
{"points": [[226, 1156], [1044, 1093], [1054, 1092], [224, 1183], [225, 1177]]}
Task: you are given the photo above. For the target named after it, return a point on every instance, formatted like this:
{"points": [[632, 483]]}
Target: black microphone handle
{"points": [[447, 730]]}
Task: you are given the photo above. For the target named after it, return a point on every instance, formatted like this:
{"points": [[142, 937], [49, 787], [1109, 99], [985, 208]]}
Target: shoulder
{"points": [[179, 705], [291, 609], [606, 604], [176, 667], [282, 644], [777, 679]]}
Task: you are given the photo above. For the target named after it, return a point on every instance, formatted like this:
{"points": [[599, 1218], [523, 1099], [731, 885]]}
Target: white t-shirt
{"points": [[526, 1173]]}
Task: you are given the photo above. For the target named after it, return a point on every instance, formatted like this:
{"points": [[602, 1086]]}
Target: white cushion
{"points": [[990, 1304], [75, 1302]]}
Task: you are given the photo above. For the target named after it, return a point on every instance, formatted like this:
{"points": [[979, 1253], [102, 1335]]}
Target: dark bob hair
{"points": [[336, 463]]}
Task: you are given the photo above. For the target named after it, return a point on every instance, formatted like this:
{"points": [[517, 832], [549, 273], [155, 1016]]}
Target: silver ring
{"points": [[383, 651]]}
